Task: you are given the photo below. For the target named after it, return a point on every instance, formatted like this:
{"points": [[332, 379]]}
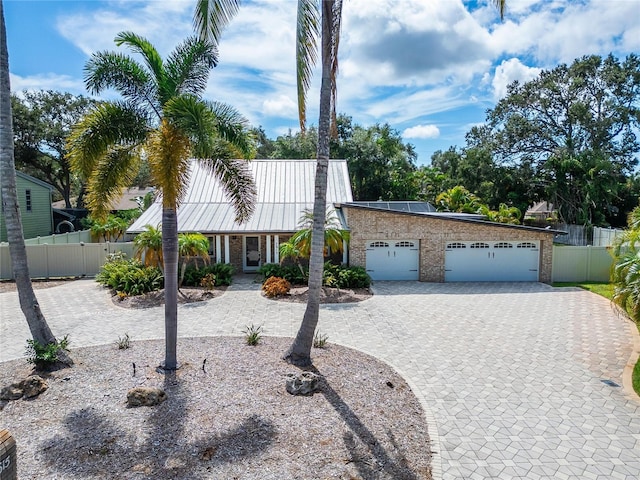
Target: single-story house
{"points": [[392, 240], [285, 189], [34, 199]]}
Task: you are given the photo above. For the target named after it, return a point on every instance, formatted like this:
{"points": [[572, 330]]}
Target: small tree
{"points": [[299, 245], [190, 247], [149, 246]]}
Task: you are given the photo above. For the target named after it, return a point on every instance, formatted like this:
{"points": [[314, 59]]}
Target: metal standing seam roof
{"points": [[285, 188]]}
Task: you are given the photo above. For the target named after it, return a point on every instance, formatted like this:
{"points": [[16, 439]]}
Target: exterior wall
{"points": [[434, 234], [38, 221]]}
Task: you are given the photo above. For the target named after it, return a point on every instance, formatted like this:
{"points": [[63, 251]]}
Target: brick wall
{"points": [[434, 234]]}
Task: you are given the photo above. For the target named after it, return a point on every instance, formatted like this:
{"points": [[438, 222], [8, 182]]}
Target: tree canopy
{"points": [[576, 127]]}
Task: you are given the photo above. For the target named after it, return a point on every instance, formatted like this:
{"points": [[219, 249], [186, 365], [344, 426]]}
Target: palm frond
{"points": [[148, 52], [107, 125], [122, 73], [212, 16], [233, 127], [307, 33], [236, 180], [169, 150], [188, 66], [115, 171]]}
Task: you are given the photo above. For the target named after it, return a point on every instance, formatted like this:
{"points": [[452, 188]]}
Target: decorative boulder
{"points": [[145, 396], [304, 383], [12, 392], [33, 386]]}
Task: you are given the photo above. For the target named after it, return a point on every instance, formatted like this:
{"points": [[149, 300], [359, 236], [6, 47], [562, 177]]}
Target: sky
{"points": [[428, 68]]}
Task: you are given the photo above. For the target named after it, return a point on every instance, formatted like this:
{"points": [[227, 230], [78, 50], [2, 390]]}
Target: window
{"points": [[378, 245], [527, 245], [28, 198], [503, 245], [479, 245], [452, 246], [404, 244]]}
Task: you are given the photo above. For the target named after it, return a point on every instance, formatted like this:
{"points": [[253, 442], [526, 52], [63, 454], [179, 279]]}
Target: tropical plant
{"points": [[458, 199], [299, 245], [29, 305], [190, 247], [504, 214], [163, 118], [625, 271], [111, 229], [318, 19], [275, 287], [149, 246], [45, 355]]}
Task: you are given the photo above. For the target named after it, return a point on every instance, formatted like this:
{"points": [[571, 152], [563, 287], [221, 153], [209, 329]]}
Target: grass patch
{"points": [[605, 290]]}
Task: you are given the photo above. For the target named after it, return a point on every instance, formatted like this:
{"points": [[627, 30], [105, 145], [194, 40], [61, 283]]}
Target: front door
{"points": [[251, 255]]}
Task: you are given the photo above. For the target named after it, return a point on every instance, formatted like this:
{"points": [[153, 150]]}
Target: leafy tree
{"points": [[42, 121], [162, 117], [264, 145], [29, 305], [576, 125]]}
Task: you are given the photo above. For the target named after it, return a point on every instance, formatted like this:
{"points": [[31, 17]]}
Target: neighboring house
{"points": [[285, 189], [541, 211], [34, 199], [129, 199], [395, 243]]}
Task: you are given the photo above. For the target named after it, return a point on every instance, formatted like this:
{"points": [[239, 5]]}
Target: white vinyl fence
{"points": [[605, 237], [61, 238], [581, 264], [64, 260]]}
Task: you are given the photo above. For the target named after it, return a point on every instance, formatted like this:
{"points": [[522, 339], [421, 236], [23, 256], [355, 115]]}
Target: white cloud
{"points": [[47, 82], [280, 106], [421, 131], [508, 72]]}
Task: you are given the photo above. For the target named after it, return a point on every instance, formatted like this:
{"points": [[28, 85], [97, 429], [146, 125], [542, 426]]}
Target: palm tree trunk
{"points": [[170, 254], [38, 326], [300, 351]]}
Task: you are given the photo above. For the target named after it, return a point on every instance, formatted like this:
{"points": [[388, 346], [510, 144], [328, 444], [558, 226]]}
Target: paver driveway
{"points": [[510, 374]]}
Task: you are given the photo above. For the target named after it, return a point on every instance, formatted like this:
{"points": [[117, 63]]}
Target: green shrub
{"points": [[44, 355], [340, 276], [291, 273], [275, 287], [130, 277], [222, 273]]}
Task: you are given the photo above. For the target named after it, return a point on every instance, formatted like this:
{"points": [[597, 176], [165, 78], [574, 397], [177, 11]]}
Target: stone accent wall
{"points": [[433, 235], [235, 251]]}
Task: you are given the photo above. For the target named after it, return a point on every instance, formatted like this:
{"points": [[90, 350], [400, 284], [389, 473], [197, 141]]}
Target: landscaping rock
{"points": [[304, 383], [33, 386], [145, 396], [12, 392]]}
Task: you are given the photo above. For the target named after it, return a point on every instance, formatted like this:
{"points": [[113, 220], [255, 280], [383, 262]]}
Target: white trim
{"points": [[227, 253], [344, 252], [218, 249], [268, 248], [245, 266], [276, 249]]}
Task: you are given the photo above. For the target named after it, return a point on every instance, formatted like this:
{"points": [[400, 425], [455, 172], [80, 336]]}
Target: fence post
{"points": [[8, 457]]}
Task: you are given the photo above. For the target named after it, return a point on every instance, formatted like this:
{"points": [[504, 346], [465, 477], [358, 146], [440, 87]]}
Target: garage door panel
{"points": [[504, 261], [392, 260]]}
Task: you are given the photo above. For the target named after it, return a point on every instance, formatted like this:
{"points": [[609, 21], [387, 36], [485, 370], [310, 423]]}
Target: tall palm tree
{"points": [[38, 326], [330, 12], [162, 118]]}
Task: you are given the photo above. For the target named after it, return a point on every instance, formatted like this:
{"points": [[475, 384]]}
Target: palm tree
{"points": [[38, 326], [458, 199], [162, 118], [191, 246], [299, 245], [330, 12], [149, 245], [625, 271]]}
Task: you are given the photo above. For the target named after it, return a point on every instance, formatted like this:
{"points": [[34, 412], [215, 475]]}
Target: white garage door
{"points": [[392, 260], [506, 261]]}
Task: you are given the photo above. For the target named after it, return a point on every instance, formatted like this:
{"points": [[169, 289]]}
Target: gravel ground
{"points": [[232, 419]]}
